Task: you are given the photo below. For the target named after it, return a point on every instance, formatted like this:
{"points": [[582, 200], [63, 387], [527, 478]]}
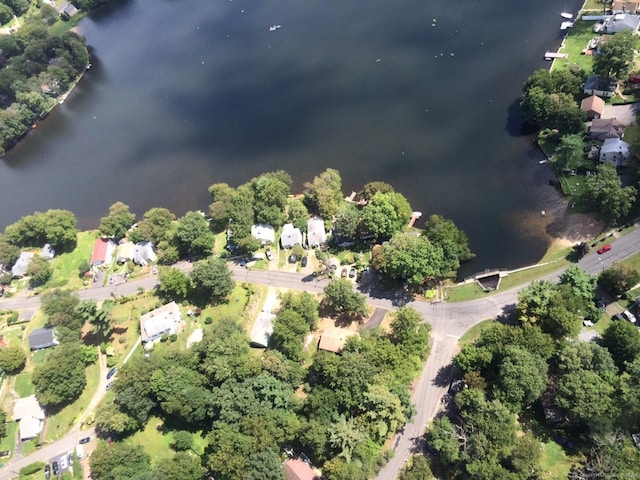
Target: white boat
{"points": [[566, 15], [273, 28], [566, 25]]}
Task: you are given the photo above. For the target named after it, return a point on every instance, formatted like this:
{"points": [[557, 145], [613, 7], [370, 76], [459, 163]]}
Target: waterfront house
{"points": [[164, 320], [143, 253], [19, 269], [68, 10], [593, 106], [615, 151], [263, 233], [290, 236], [603, 128], [316, 234], [600, 86], [621, 22], [42, 338], [102, 253], [30, 415]]}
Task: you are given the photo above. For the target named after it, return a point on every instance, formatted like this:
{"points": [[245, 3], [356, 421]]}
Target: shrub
{"points": [[164, 337], [13, 318], [31, 469], [173, 337], [208, 321], [182, 440]]}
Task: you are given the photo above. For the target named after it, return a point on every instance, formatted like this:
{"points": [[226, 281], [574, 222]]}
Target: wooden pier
{"points": [[552, 55]]}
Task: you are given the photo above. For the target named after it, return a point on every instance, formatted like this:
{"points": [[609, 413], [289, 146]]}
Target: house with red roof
{"points": [[298, 469], [102, 253]]}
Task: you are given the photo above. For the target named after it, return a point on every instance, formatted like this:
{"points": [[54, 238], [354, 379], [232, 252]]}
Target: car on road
{"points": [[47, 472], [84, 440], [63, 462], [111, 373], [269, 254], [604, 249], [243, 262], [109, 385], [70, 459], [303, 262], [55, 468]]}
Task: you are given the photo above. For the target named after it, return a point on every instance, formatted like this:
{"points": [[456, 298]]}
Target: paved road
{"points": [[448, 320]]}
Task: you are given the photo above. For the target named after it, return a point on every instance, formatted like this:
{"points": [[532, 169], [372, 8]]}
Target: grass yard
{"points": [[60, 423], [154, 441], [471, 335], [65, 266], [462, 293], [38, 356], [23, 386], [575, 42], [555, 462], [8, 442], [525, 276]]}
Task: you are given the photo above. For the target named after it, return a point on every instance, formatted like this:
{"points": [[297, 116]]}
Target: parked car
{"points": [[293, 258], [55, 468], [352, 273], [303, 262], [47, 472], [587, 323], [600, 303], [604, 249], [617, 316], [109, 385], [63, 462], [111, 373], [269, 254], [629, 316], [70, 459], [344, 272], [84, 440], [243, 262]]}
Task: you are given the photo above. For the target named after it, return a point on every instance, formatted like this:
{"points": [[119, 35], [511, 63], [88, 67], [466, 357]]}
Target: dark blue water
{"points": [[421, 94]]}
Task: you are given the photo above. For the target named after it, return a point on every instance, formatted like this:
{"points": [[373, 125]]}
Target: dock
{"points": [[552, 55]]}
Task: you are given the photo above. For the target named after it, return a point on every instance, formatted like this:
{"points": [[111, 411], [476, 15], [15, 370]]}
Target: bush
{"points": [[164, 337], [13, 318], [173, 337], [31, 469], [208, 321], [112, 361], [182, 440]]}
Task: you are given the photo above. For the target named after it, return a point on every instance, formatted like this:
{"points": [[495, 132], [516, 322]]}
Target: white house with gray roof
{"points": [[316, 234], [30, 415], [290, 236], [164, 320], [615, 151]]}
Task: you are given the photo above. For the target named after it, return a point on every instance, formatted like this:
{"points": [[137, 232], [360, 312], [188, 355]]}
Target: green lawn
{"points": [[471, 335], [23, 385], [462, 293], [65, 266], [61, 422], [8, 442], [155, 442], [38, 356], [555, 463], [574, 44]]}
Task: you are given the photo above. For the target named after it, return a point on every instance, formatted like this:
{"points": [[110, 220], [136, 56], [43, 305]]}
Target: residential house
{"points": [[164, 320], [42, 338], [600, 86], [625, 6], [615, 151], [19, 269], [67, 9], [102, 253], [125, 252], [603, 128], [316, 234], [30, 415], [333, 339], [144, 253], [48, 252], [621, 22], [298, 469], [290, 236], [265, 234], [593, 106], [262, 329]]}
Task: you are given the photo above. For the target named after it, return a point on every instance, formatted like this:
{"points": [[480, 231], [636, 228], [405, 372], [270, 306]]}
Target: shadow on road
{"points": [[396, 293]]}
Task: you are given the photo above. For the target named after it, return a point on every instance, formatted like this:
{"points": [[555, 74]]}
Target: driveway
{"points": [[625, 114]]}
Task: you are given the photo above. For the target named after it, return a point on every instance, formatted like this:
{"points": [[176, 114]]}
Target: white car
{"points": [[629, 316], [63, 463]]}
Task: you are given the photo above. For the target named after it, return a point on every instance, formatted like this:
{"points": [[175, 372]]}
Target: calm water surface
{"points": [[421, 94]]}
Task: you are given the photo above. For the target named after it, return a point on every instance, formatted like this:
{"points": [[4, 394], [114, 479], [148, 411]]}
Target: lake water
{"points": [[421, 94]]}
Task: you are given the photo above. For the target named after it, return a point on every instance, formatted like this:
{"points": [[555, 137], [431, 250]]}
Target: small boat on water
{"points": [[273, 28], [566, 25], [566, 15]]}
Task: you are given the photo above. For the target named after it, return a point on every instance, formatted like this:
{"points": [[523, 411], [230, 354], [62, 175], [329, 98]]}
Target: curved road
{"points": [[448, 320]]}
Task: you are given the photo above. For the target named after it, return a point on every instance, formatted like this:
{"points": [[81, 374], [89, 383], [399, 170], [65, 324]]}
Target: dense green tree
{"points": [[618, 279], [297, 213], [303, 303], [181, 394], [111, 419], [570, 152], [444, 438], [289, 329], [371, 188], [57, 227], [605, 193], [167, 253], [587, 398], [341, 299], [577, 356], [265, 465], [12, 359], [410, 258], [613, 455], [6, 14], [347, 220], [182, 466], [193, 237], [116, 460], [533, 301], [182, 441], [622, 339], [61, 378], [453, 241], [384, 215], [118, 221], [61, 308], [227, 452], [344, 436], [416, 468], [156, 225], [522, 378], [582, 283], [39, 271], [383, 411], [563, 317], [133, 389], [8, 254], [630, 397], [409, 331], [615, 56], [99, 318], [211, 280], [174, 284], [324, 194], [570, 120]]}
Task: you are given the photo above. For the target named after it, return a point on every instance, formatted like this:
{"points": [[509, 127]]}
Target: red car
{"points": [[606, 248]]}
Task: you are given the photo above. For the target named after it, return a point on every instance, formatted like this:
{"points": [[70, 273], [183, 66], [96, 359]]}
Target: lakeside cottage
{"points": [[265, 234], [593, 106], [290, 236], [615, 151], [603, 128], [102, 253], [600, 86], [316, 234], [621, 22]]}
